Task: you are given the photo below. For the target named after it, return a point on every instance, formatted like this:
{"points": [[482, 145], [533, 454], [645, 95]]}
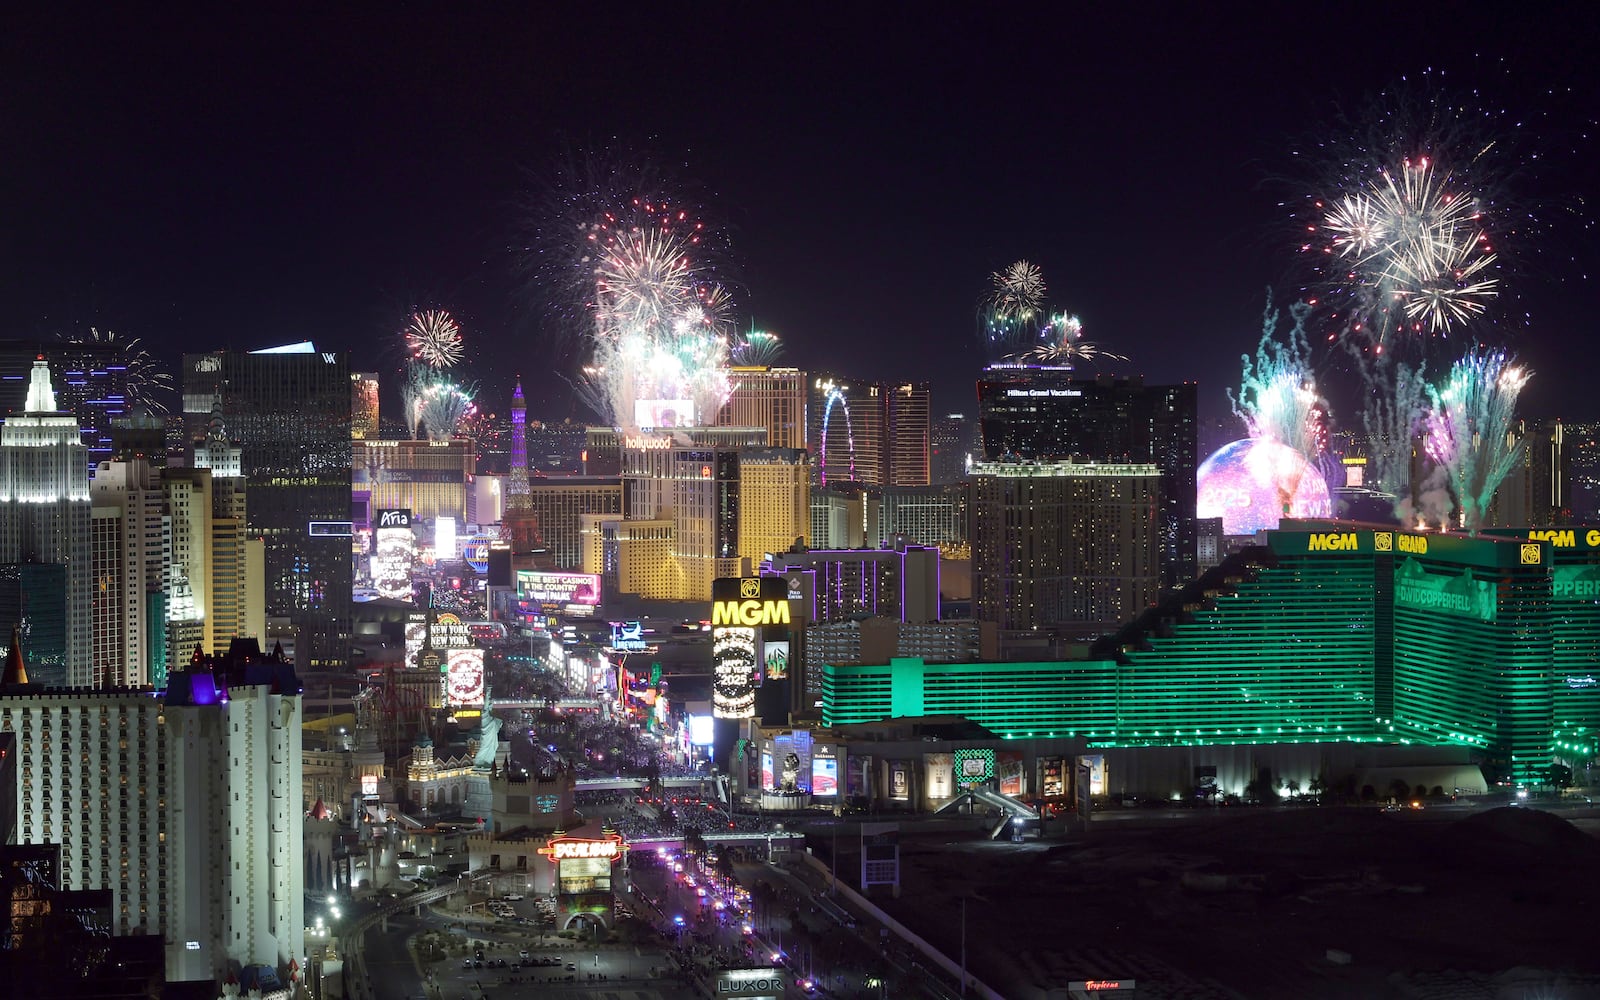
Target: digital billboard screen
{"points": [[700, 730], [394, 556], [416, 636], [663, 413], [775, 660], [464, 678], [766, 772], [475, 551], [733, 671], [558, 588], [824, 776]]}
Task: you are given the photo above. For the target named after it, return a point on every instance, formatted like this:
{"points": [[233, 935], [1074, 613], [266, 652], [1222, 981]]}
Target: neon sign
{"points": [[750, 613], [577, 848]]}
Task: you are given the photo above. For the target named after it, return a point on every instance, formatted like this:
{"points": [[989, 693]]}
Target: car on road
{"points": [[513, 895]]}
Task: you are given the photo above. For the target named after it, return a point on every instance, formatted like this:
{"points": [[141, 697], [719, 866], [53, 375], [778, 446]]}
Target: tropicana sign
{"points": [[564, 848]]}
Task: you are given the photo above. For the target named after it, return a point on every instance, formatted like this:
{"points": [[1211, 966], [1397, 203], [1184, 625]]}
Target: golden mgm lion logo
{"points": [[1383, 541], [750, 588], [1530, 555]]}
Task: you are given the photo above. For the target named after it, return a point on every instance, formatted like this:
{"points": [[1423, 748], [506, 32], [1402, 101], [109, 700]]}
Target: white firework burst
{"points": [[433, 337]]}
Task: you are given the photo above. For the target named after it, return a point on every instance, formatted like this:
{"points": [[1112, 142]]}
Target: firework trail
{"points": [[1469, 429], [1064, 343], [412, 391], [443, 407], [1277, 398], [757, 349], [146, 381], [433, 337], [1395, 406]]}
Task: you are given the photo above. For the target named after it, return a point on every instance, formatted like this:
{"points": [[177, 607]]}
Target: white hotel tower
{"points": [[44, 509], [185, 805]]}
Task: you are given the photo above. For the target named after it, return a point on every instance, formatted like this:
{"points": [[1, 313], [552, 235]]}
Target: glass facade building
{"points": [[1328, 632], [289, 411], [1041, 414]]}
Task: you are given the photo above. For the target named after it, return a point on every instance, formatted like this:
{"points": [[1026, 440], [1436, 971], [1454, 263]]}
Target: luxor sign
{"points": [[750, 983]]}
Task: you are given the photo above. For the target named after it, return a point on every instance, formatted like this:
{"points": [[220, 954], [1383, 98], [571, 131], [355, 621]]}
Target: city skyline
{"points": [[237, 184]]}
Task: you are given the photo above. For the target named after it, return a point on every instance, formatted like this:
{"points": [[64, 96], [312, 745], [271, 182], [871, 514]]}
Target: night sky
{"points": [[315, 173]]}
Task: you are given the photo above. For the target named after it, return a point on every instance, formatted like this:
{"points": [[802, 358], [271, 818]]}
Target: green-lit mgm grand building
{"points": [[1331, 631]]}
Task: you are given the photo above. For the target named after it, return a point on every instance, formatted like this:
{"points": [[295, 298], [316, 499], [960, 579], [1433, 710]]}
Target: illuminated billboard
{"points": [[561, 849], [973, 765], [558, 588], [663, 413], [700, 729], [394, 555], [899, 780], [733, 666], [463, 685], [767, 780], [824, 776], [444, 537], [1052, 781], [628, 636], [1008, 771], [775, 660], [1092, 770], [450, 632], [751, 601], [939, 777], [416, 636], [475, 551]]}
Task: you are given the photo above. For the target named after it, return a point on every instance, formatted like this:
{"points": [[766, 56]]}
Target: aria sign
{"points": [[576, 848]]}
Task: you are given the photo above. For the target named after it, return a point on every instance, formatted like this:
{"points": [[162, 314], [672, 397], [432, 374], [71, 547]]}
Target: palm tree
{"points": [[694, 843], [762, 896], [724, 867]]}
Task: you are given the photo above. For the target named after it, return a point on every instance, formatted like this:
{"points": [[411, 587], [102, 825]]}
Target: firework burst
{"points": [[577, 211], [1415, 248], [433, 337], [660, 321], [1064, 343], [147, 383], [1396, 397], [1420, 211], [1017, 327], [1018, 291]]}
